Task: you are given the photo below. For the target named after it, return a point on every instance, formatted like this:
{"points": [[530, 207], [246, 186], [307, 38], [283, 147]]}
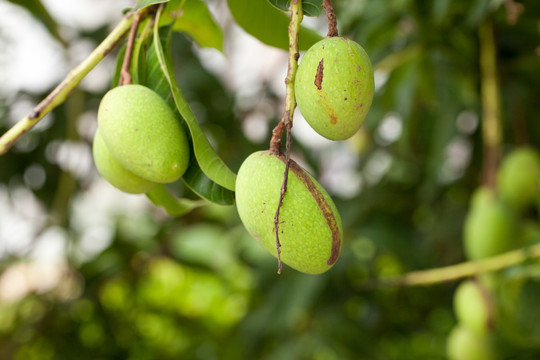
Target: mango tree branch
{"points": [[60, 93], [458, 271], [491, 122], [287, 118]]}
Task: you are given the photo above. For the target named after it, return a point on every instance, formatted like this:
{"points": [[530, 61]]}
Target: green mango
{"points": [[310, 229], [114, 172], [518, 178], [334, 87], [490, 228], [142, 133], [473, 306], [464, 344]]}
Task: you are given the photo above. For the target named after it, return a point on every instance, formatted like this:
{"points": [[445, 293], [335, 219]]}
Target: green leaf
{"points": [[138, 66], [194, 19], [309, 7], [200, 184], [141, 4], [160, 196], [118, 68], [155, 79], [36, 8], [268, 24], [209, 162]]}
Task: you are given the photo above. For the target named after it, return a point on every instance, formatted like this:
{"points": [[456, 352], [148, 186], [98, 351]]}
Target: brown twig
{"points": [[125, 74], [332, 21], [288, 126], [286, 120]]}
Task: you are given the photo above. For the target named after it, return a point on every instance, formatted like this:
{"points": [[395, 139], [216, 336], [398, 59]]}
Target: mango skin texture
{"points": [[334, 87], [114, 172], [143, 134], [310, 229]]}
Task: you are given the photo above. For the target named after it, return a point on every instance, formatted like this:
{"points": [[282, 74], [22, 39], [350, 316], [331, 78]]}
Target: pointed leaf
{"points": [[268, 24], [155, 79], [209, 162]]}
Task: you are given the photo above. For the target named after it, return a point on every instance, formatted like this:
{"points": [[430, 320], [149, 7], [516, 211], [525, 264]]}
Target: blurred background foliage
{"points": [[126, 281]]}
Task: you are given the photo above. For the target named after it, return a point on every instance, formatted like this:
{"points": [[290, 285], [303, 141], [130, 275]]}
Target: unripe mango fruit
{"points": [[518, 178], [464, 344], [310, 229], [142, 133], [490, 228], [473, 306], [334, 87], [115, 173]]}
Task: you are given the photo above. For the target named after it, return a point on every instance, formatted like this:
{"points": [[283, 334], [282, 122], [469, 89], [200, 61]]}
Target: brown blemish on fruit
{"points": [[319, 75], [324, 206], [329, 109]]}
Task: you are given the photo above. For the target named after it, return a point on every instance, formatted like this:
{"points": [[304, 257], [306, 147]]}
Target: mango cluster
{"points": [[498, 221], [334, 89], [139, 141]]}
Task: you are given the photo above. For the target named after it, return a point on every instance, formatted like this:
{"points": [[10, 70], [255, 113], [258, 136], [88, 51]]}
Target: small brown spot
{"points": [[333, 118], [33, 115], [319, 75], [345, 99]]}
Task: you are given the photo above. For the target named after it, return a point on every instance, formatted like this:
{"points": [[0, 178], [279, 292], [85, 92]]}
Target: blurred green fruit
{"points": [[310, 229], [334, 87], [490, 227], [114, 172], [472, 306], [518, 179], [143, 134], [464, 344]]}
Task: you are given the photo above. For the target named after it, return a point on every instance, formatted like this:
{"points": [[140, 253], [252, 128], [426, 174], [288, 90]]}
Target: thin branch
{"points": [[491, 122], [458, 271], [125, 75], [331, 16], [60, 93], [287, 118]]}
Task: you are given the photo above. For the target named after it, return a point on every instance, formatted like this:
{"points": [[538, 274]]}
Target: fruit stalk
{"points": [[60, 93], [491, 123], [331, 16], [458, 271], [287, 117], [125, 75]]}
